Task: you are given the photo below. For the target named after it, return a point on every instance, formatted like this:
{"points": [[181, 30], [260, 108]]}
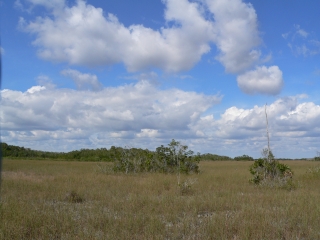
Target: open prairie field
{"points": [[78, 200]]}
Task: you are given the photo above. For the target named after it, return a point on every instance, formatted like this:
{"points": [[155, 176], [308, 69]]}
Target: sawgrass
{"points": [[84, 200]]}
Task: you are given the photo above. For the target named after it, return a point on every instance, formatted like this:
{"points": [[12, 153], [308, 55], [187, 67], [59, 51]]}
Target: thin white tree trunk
{"points": [[265, 110]]}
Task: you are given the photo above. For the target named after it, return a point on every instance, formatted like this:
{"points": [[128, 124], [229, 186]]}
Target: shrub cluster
{"points": [[244, 158], [173, 158], [267, 170]]}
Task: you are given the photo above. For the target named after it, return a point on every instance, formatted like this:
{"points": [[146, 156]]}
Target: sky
{"points": [[95, 74]]}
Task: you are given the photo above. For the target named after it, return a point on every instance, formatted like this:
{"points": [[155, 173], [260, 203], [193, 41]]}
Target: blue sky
{"points": [[90, 74]]}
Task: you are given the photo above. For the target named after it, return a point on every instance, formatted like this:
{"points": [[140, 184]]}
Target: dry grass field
{"points": [[77, 200]]}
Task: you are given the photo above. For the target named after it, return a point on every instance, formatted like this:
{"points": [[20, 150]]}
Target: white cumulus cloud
{"points": [[126, 108], [263, 80], [35, 89], [83, 81], [141, 115], [237, 36], [293, 126], [85, 35]]}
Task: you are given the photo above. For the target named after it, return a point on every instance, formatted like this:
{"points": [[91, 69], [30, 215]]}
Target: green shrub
{"points": [[134, 160], [173, 158], [268, 171], [244, 158]]}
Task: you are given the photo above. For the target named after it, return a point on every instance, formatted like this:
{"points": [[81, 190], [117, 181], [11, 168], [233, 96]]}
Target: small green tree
{"points": [[177, 157], [267, 169], [173, 158]]}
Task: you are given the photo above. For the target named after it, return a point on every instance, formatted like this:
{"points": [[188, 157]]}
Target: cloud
{"points": [[52, 4], [18, 5], [45, 81], [293, 126], [262, 80], [83, 81], [35, 89], [303, 117], [301, 32], [315, 42], [148, 76], [236, 35], [85, 35], [301, 50], [126, 108], [141, 115], [302, 42], [285, 35], [148, 133]]}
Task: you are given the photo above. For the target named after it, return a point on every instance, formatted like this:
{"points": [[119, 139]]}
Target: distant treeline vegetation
{"points": [[214, 157], [100, 154]]}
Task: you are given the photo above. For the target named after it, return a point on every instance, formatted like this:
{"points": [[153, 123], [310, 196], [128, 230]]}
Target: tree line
{"points": [[99, 154]]}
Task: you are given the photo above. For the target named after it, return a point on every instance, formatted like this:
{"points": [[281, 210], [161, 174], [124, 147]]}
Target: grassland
{"points": [[76, 200]]}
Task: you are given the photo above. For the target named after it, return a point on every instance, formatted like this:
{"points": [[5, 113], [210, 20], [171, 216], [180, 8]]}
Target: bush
{"points": [[263, 170], [173, 158], [134, 160], [269, 171], [244, 158]]}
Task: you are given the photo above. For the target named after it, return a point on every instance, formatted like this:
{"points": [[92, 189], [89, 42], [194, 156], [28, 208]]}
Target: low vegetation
{"points": [[101, 154], [90, 155], [76, 200], [173, 158], [215, 157], [270, 172], [244, 158]]}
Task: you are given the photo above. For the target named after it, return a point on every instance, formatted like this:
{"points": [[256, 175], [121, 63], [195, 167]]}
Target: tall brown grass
{"points": [[77, 200]]}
